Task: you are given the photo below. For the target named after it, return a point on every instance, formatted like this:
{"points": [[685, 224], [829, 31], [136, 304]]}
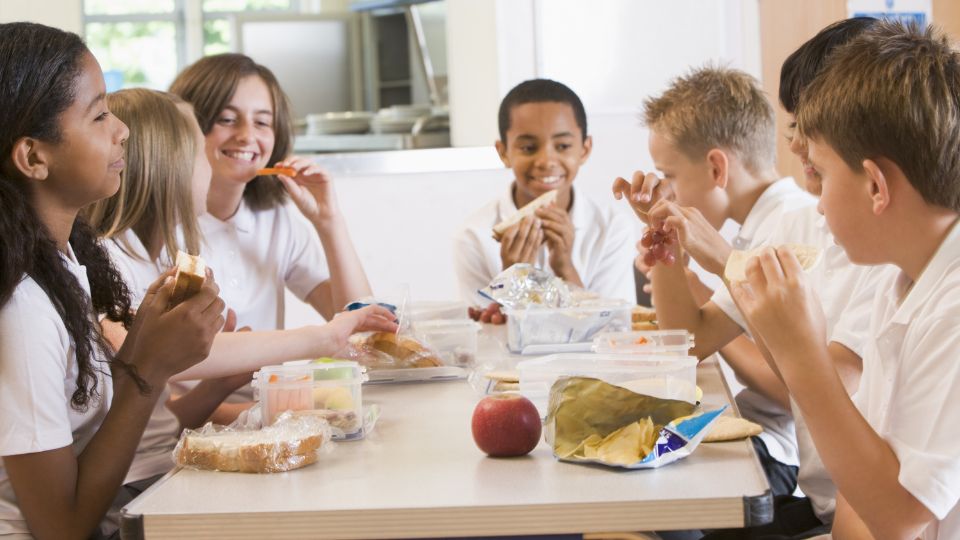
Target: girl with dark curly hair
{"points": [[72, 410]]}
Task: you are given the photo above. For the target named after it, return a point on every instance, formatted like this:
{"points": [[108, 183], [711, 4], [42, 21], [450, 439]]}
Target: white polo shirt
{"points": [[38, 373], [154, 453], [911, 378], [603, 248], [846, 294], [781, 197], [255, 255]]}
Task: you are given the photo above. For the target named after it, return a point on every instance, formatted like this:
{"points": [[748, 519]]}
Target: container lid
{"points": [[587, 364], [644, 342], [446, 325], [322, 370]]}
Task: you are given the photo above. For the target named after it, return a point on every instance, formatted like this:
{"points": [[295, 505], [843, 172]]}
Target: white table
{"points": [[420, 475]]}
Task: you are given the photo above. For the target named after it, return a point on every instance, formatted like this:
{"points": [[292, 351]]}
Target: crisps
{"points": [[736, 269]]}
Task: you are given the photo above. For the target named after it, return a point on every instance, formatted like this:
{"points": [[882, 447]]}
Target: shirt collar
{"points": [[765, 205], [942, 261], [242, 220], [506, 208]]}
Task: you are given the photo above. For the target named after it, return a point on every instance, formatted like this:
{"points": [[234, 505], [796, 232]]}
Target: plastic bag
{"points": [[384, 350], [294, 441], [591, 421], [522, 285]]}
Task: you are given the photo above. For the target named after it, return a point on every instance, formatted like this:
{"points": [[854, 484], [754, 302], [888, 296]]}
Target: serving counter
{"points": [[419, 475]]}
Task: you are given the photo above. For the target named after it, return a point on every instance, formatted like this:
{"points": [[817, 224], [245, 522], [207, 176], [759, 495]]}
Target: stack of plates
{"points": [[399, 118], [336, 123]]}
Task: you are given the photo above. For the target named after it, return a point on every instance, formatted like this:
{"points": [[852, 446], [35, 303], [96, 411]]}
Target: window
{"points": [[147, 42]]}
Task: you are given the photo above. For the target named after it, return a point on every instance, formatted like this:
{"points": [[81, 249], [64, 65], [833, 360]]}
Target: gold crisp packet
{"points": [[589, 419]]}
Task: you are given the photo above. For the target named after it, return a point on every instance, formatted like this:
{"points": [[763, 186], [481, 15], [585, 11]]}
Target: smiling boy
{"points": [[544, 141]]}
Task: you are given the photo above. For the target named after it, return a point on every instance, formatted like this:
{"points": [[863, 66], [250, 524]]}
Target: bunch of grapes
{"points": [[656, 242]]}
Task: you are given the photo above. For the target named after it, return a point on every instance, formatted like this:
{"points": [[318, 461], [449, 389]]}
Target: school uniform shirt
{"points": [[255, 255], [846, 294], [154, 453], [781, 197], [603, 248], [911, 378], [38, 373]]}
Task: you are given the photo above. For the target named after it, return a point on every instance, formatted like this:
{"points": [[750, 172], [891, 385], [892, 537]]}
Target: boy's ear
{"points": [[587, 148], [502, 151], [719, 167], [879, 185], [28, 157]]}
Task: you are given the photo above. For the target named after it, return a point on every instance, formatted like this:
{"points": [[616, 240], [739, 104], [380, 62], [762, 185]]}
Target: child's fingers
{"points": [[754, 273], [788, 262], [554, 238], [230, 322], [644, 186], [770, 264], [621, 188]]}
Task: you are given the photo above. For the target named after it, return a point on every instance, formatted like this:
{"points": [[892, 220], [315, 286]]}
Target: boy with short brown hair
{"points": [[882, 122]]}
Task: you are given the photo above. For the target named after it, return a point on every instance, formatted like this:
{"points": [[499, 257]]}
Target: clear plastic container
{"points": [[669, 342], [559, 326], [665, 377], [454, 341], [329, 390], [429, 311]]}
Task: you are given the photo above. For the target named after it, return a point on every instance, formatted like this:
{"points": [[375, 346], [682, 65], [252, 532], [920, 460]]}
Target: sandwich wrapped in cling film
{"points": [[294, 441], [591, 421], [523, 285]]}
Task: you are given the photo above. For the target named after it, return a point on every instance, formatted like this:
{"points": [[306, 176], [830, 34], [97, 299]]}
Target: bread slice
{"points": [[407, 351], [736, 269], [248, 451], [191, 272], [527, 210], [643, 314], [729, 428]]}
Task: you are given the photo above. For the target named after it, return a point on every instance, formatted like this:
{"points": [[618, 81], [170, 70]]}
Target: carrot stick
{"points": [[286, 171]]}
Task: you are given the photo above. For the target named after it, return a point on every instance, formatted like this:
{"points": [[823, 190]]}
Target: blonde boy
{"points": [[883, 128], [712, 138]]}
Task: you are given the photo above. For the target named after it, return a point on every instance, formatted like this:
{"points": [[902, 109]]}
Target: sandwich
{"points": [[527, 210], [272, 449], [643, 318], [407, 351], [191, 272], [736, 269]]}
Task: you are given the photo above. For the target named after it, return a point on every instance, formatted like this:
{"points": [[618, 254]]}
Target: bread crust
{"points": [[189, 279], [527, 210]]}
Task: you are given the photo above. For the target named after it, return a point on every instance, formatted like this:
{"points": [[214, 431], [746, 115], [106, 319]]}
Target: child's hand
{"points": [[491, 314], [311, 189], [642, 193], [162, 343], [696, 235], [372, 318], [559, 234], [779, 304], [521, 242]]}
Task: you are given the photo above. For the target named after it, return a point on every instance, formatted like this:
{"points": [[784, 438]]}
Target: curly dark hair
{"points": [[540, 91], [39, 67]]}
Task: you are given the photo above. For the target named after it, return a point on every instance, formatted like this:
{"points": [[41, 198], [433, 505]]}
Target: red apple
{"points": [[506, 425]]}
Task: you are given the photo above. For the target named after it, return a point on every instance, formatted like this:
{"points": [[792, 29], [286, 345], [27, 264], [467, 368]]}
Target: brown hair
{"points": [[892, 92], [209, 84], [156, 194], [714, 107]]}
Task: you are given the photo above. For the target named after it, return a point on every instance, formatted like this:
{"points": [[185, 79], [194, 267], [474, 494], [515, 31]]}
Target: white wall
{"points": [[63, 14]]}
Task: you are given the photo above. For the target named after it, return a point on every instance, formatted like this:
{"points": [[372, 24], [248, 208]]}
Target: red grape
{"points": [[647, 239], [649, 259]]}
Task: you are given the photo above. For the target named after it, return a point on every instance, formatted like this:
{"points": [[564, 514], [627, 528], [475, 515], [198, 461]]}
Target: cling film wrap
{"points": [[523, 285], [383, 350], [294, 441], [591, 421]]}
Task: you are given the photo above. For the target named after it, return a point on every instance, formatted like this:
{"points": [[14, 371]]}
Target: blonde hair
{"points": [[713, 107], [892, 92], [156, 191]]}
